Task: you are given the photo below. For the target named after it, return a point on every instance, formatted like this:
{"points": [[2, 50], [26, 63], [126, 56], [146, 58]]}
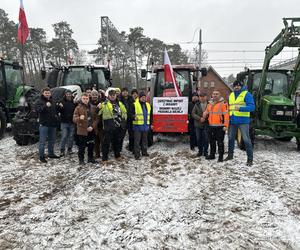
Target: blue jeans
{"points": [[202, 140], [67, 135], [244, 128], [50, 133]]}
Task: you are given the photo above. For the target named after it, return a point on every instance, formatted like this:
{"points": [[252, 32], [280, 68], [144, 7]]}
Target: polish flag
{"points": [[169, 74], [23, 30]]}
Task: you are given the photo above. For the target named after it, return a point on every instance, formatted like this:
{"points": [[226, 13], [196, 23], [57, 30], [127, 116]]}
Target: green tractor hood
{"points": [[278, 100]]}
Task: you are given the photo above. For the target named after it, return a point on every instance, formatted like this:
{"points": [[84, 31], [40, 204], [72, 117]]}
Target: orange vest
{"points": [[218, 114]]}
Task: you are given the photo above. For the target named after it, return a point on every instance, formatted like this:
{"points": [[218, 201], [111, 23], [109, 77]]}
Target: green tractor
{"points": [[12, 92], [272, 89], [76, 78]]}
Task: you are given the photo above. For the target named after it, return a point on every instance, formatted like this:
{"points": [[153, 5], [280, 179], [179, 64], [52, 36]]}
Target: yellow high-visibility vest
{"points": [[238, 102], [139, 113]]}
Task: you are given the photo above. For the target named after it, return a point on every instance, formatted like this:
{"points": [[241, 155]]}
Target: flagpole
{"points": [[22, 61]]}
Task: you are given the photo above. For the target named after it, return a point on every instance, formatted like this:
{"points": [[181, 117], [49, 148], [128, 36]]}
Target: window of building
{"points": [[205, 85], [212, 84]]}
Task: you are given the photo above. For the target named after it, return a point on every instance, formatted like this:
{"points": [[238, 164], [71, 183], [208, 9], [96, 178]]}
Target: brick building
{"points": [[213, 81]]}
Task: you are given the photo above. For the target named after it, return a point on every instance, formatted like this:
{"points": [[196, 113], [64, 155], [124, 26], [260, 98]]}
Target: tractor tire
{"points": [[285, 139], [22, 140], [2, 123]]}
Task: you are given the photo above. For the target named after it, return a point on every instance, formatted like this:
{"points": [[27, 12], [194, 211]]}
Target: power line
{"points": [[225, 42]]}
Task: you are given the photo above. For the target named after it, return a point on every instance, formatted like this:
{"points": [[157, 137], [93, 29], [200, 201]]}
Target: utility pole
{"points": [[200, 47]]}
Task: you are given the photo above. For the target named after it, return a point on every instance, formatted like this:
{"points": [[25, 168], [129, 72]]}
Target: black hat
{"points": [[194, 94], [134, 91], [124, 89], [238, 83], [142, 93], [203, 94]]}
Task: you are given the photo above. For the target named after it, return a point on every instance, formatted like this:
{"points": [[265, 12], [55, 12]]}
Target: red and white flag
{"points": [[23, 30], [169, 74]]}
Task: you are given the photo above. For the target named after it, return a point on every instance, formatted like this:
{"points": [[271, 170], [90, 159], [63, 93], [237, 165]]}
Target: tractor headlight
{"points": [[289, 113], [22, 102], [279, 112]]}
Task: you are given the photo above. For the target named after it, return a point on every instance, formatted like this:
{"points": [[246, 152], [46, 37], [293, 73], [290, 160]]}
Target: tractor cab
{"points": [[97, 77], [10, 81]]}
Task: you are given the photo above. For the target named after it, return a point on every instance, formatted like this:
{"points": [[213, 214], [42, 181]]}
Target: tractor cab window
{"points": [[167, 89], [100, 78], [13, 80], [85, 78], [78, 76], [276, 83]]}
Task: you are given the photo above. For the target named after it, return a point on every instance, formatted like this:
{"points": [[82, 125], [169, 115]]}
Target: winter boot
{"points": [[62, 153], [81, 162], [199, 154], [229, 157], [70, 151], [210, 157], [249, 162], [220, 159], [91, 160], [54, 156], [43, 160]]}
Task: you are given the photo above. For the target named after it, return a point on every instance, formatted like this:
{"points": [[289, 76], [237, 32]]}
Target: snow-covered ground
{"points": [[171, 200]]}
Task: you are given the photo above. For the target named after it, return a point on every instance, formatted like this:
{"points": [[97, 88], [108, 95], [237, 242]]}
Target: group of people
{"points": [[98, 123], [210, 119], [101, 122]]}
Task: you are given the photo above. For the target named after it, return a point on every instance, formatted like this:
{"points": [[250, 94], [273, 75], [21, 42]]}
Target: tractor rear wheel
{"points": [[2, 123], [22, 140]]}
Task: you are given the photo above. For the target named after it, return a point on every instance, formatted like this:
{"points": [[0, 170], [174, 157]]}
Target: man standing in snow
{"points": [[94, 102], [241, 103], [48, 119], [141, 123], [201, 124], [218, 118], [127, 100], [85, 119], [114, 114], [191, 126], [66, 108]]}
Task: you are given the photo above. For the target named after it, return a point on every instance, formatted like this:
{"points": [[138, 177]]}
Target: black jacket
{"points": [[48, 116], [128, 103], [66, 112]]}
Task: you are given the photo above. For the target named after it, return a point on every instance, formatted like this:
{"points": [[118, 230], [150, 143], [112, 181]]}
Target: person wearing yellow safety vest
{"points": [[114, 116], [241, 104], [141, 125]]}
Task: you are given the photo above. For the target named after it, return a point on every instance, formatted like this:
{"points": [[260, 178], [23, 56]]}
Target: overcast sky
{"points": [[173, 21]]}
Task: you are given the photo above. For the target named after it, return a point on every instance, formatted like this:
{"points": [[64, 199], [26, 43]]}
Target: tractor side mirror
{"points": [[107, 74], [16, 65], [143, 73]]}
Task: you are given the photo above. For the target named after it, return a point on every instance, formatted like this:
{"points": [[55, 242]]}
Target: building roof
{"points": [[211, 68]]}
